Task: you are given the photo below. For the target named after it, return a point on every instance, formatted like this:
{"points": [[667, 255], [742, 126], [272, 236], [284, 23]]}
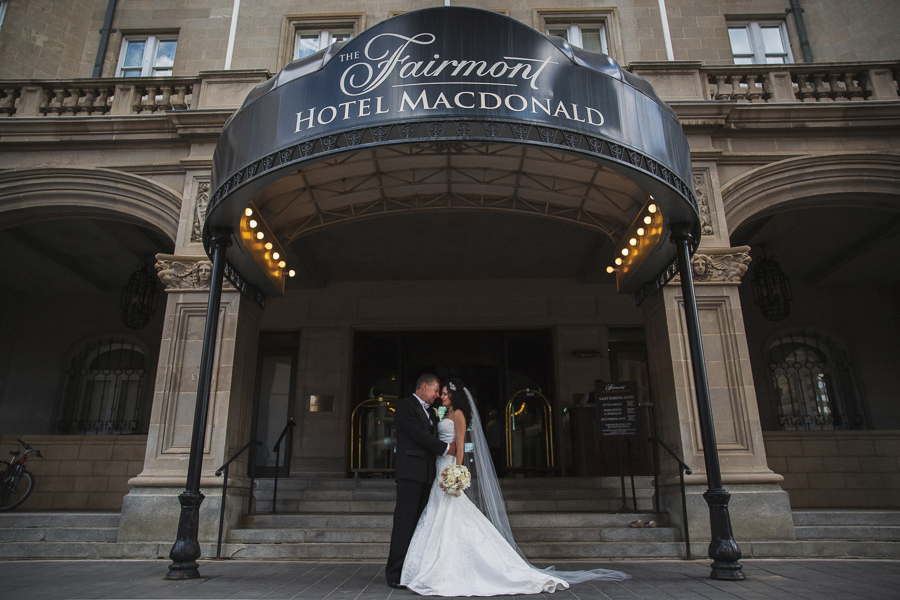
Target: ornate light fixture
{"points": [[771, 288], [139, 296]]}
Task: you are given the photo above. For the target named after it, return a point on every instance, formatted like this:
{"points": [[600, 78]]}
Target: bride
{"points": [[458, 550]]}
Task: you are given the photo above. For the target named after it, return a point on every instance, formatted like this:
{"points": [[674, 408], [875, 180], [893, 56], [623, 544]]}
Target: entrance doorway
{"points": [[495, 365]]}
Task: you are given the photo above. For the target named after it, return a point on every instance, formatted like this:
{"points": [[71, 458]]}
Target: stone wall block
{"points": [[780, 85], [881, 83], [842, 464], [90, 484]]}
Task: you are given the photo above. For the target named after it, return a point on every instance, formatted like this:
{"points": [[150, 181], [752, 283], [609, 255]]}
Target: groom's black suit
{"points": [[417, 450]]}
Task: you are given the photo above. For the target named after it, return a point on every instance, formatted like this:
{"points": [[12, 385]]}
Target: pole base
{"points": [[727, 571], [183, 571]]}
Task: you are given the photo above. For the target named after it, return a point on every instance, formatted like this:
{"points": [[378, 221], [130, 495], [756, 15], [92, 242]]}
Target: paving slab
{"points": [[359, 580]]}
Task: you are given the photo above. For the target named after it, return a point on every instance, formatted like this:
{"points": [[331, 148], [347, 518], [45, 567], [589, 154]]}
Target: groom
{"points": [[417, 449]]}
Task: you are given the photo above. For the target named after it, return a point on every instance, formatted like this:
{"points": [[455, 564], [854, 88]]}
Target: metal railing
{"points": [[289, 431], [223, 471], [682, 469]]}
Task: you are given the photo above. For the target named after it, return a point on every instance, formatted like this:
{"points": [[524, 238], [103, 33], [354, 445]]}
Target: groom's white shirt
{"points": [[425, 407]]}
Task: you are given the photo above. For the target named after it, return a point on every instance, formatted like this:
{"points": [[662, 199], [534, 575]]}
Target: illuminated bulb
{"points": [[640, 231], [648, 219], [610, 269], [248, 211], [633, 241], [618, 261], [268, 245], [291, 273], [252, 224], [624, 251], [282, 264], [275, 256], [260, 235], [651, 209]]}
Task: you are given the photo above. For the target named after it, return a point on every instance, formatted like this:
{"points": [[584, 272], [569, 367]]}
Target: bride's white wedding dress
{"points": [[456, 551]]}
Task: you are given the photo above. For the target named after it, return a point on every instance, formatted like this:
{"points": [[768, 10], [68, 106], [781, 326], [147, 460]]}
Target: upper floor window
{"points": [[594, 30], [759, 43], [3, 5], [588, 36], [147, 56], [310, 41]]}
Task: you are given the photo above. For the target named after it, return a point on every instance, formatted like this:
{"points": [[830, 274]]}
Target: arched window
{"points": [[105, 389], [814, 384]]}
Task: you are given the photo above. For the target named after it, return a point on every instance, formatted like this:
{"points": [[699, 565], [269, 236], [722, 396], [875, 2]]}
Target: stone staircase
{"points": [[68, 535], [552, 519]]}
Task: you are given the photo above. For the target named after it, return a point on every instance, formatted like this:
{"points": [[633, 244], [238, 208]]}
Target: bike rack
{"points": [[219, 473]]}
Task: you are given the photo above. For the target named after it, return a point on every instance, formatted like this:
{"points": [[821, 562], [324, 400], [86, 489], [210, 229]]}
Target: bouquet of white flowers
{"points": [[454, 479]]}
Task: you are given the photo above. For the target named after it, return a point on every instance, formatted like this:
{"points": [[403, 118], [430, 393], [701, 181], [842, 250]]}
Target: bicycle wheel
{"points": [[15, 490]]}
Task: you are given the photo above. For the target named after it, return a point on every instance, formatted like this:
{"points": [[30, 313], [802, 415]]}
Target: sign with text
{"points": [[617, 409]]}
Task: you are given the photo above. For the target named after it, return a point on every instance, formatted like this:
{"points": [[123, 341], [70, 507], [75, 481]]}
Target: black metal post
{"points": [[222, 511], [186, 549], [723, 550]]}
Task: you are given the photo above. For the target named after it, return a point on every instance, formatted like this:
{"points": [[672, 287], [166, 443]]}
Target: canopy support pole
{"points": [[186, 549], [723, 550]]}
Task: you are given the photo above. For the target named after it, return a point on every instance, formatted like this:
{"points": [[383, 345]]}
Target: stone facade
{"points": [[767, 142]]}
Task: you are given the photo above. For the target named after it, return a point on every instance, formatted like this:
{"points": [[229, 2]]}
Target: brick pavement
{"points": [[244, 580]]}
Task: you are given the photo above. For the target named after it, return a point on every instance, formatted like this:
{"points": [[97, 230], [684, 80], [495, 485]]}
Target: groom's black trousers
{"points": [[412, 496]]}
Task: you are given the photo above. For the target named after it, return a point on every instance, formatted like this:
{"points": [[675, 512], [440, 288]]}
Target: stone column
{"points": [[150, 510], [760, 510]]}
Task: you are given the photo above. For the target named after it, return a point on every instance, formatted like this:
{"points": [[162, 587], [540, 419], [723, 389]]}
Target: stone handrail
{"points": [[817, 82], [87, 97]]}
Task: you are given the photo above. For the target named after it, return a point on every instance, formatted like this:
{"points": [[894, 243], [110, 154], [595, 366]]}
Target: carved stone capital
{"points": [[185, 272], [720, 265]]}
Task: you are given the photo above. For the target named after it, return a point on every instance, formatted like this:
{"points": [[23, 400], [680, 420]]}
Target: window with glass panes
{"points": [[587, 36], [147, 56], [758, 43], [309, 41]]}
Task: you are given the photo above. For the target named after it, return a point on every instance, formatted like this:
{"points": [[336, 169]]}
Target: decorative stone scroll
{"points": [[200, 204], [185, 272], [701, 192], [726, 265]]}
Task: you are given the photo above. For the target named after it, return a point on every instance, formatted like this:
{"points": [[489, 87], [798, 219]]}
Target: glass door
{"points": [[276, 383]]}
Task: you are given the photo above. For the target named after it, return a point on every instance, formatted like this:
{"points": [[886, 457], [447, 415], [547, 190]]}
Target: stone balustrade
{"points": [[825, 82], [817, 82], [675, 80], [92, 97]]}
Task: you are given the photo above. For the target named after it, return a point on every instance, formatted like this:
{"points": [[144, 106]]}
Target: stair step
{"points": [[58, 519], [60, 534], [847, 532], [877, 518], [378, 551]]}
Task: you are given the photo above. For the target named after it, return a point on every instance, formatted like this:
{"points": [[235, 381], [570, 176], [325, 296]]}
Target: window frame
{"points": [[546, 19], [326, 38], [574, 34], [757, 44], [115, 384], [293, 25], [152, 41]]}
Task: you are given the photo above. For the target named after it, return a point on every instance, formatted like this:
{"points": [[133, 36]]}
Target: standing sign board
{"points": [[617, 409]]}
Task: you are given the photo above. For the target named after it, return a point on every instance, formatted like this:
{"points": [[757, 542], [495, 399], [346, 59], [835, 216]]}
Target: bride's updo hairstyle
{"points": [[458, 398]]}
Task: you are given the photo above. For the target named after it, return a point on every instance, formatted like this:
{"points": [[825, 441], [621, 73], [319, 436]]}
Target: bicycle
{"points": [[16, 483]]}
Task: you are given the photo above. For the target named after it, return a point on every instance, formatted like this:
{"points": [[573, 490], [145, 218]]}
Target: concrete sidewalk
{"points": [[129, 579]]}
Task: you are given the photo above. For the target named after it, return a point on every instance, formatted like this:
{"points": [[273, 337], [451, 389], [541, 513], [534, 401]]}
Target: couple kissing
{"points": [[447, 543]]}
